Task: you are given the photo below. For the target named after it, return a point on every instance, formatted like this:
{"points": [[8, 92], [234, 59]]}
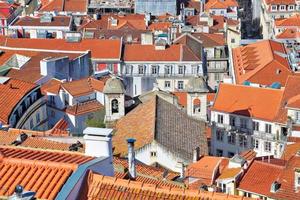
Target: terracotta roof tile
{"points": [[100, 49], [100, 187], [248, 155], [12, 91], [230, 173], [52, 86], [247, 101], [65, 5], [268, 173], [280, 2], [220, 4], [35, 21], [84, 108], [261, 62]]}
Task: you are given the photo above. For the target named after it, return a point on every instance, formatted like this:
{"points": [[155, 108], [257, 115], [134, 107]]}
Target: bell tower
{"points": [[114, 99]]}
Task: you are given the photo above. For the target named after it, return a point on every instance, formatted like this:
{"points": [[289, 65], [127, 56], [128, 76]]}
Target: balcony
{"points": [[236, 129], [269, 136], [160, 75]]}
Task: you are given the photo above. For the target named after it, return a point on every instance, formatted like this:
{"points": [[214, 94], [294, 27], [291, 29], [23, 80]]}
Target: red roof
{"points": [[248, 101], [12, 92], [259, 178], [293, 21], [84, 108], [65, 5], [220, 4], [64, 21], [280, 2], [261, 62], [100, 49]]}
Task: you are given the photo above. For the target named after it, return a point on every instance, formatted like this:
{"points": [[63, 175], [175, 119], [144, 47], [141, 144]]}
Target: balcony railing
{"points": [[160, 75]]}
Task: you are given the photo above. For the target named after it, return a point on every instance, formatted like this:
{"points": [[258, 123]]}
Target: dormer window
{"points": [[291, 7], [141, 69], [282, 7], [274, 8]]}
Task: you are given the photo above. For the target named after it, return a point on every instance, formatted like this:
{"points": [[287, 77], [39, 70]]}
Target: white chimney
{"points": [[196, 154], [98, 142], [131, 158]]}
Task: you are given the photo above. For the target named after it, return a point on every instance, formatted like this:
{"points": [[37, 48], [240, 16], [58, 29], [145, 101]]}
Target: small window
{"points": [[256, 144], [282, 7], [141, 69], [180, 85], [114, 106], [256, 126], [31, 124], [267, 146], [167, 84], [219, 152], [274, 7], [268, 128], [231, 138], [220, 119], [38, 119], [180, 69], [242, 141], [244, 123], [297, 116], [232, 40], [219, 135], [232, 121], [230, 154], [278, 71], [153, 154], [217, 76], [154, 69], [167, 70]]}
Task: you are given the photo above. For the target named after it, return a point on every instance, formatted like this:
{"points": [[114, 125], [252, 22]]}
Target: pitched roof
{"points": [[268, 173], [287, 180], [248, 155], [289, 33], [204, 169], [102, 187], [247, 101], [211, 39], [83, 87], [12, 91], [138, 52], [280, 2], [40, 171], [84, 108], [291, 21], [158, 120], [100, 49], [51, 86], [36, 21], [65, 5], [261, 62], [230, 173], [220, 4]]}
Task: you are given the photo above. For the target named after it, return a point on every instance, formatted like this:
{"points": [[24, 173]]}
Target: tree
{"points": [[96, 119]]}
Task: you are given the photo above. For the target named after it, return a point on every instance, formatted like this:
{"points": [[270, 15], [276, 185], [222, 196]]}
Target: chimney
{"points": [[131, 158], [182, 170], [98, 142], [196, 154]]}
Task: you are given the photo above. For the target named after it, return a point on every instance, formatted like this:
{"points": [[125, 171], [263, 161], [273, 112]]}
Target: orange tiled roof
{"points": [[35, 21], [280, 2], [261, 62], [268, 173], [247, 101], [230, 173], [65, 5], [12, 91], [84, 108], [100, 49], [211, 39], [290, 151], [159, 26], [287, 188], [138, 52], [44, 178], [248, 155], [102, 187], [52, 86], [204, 169], [289, 33], [220, 4], [291, 21], [43, 155], [83, 86]]}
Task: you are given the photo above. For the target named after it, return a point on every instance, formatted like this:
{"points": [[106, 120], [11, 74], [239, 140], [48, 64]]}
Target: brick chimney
{"points": [[131, 158]]}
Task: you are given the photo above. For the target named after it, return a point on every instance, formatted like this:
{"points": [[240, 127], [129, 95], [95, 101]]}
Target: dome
{"points": [[113, 86], [197, 84]]}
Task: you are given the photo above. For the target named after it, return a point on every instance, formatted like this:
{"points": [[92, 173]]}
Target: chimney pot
{"points": [[131, 158]]}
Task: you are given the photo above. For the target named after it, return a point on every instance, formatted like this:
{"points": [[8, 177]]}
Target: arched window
{"points": [[114, 106], [196, 105]]}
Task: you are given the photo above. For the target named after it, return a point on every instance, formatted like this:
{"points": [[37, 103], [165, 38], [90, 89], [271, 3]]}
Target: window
{"points": [[38, 119], [20, 110], [52, 113], [167, 84], [219, 152], [196, 106], [232, 40], [180, 69], [33, 97], [298, 180], [180, 85], [128, 69], [268, 128], [31, 124], [267, 146], [242, 141], [154, 69], [297, 116], [291, 7], [243, 123], [153, 154], [231, 138], [256, 126], [256, 144], [167, 69], [217, 76], [195, 69], [232, 121], [114, 106], [274, 8], [141, 69], [27, 102], [220, 119], [230, 154], [282, 7], [219, 135]]}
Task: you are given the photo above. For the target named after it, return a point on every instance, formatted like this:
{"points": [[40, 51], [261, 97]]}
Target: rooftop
{"points": [[36, 21]]}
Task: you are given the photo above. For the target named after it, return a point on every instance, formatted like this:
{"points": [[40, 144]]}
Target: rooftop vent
{"points": [[46, 18], [4, 79], [20, 194], [275, 187]]}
